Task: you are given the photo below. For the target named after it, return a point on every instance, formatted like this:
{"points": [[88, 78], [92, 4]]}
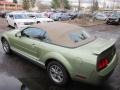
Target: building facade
{"points": [[9, 6]]}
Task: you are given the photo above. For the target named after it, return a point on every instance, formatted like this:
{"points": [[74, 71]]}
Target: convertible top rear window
{"points": [[77, 37]]}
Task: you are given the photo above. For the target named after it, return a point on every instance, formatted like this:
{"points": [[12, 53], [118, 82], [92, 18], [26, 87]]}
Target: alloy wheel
{"points": [[56, 73]]}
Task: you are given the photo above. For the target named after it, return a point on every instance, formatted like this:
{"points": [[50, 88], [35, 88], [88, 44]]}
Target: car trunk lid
{"points": [[103, 49], [98, 46]]}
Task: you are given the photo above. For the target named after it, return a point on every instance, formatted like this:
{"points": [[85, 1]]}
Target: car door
{"points": [[66, 17], [26, 43], [63, 16]]}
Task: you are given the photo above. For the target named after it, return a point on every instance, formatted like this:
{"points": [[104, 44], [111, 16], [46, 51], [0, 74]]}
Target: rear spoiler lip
{"points": [[109, 44]]}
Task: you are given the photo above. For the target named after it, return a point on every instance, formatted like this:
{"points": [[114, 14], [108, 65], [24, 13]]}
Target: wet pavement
{"points": [[17, 73]]}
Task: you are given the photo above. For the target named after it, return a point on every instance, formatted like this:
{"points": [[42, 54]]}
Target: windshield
{"points": [[38, 15], [114, 15], [21, 16]]}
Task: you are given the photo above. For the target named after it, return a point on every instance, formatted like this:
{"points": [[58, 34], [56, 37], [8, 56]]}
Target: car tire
{"points": [[8, 24], [70, 19], [59, 19], [107, 22], [38, 22], [119, 22], [57, 73], [6, 46], [15, 25]]}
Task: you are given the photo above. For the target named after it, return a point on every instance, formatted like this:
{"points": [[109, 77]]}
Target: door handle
{"points": [[33, 44]]}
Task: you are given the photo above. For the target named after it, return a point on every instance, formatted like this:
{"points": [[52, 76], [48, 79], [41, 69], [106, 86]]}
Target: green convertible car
{"points": [[66, 51]]}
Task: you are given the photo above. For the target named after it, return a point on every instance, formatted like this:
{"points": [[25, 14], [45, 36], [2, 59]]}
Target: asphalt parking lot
{"points": [[16, 73]]}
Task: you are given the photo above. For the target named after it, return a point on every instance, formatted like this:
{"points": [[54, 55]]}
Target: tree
{"points": [[66, 4], [55, 4], [15, 1], [32, 3], [63, 4], [26, 4], [95, 5], [41, 6]]}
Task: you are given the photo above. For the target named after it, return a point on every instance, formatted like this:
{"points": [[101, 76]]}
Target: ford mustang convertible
{"points": [[66, 51]]}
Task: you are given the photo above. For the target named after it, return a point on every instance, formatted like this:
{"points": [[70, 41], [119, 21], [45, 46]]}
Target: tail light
{"points": [[102, 64], [105, 58]]}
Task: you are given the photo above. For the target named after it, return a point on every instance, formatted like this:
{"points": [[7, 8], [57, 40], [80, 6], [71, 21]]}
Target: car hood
{"points": [[25, 20], [97, 46], [44, 19]]}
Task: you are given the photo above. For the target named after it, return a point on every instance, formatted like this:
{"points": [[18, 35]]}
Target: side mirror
{"points": [[18, 34]]}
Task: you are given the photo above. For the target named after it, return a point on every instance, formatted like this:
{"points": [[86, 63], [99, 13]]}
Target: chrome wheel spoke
{"points": [[56, 73], [5, 46], [60, 73], [59, 78]]}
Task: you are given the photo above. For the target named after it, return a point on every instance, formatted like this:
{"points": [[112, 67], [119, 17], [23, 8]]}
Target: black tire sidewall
{"points": [[9, 50], [15, 26], [107, 22], [65, 74]]}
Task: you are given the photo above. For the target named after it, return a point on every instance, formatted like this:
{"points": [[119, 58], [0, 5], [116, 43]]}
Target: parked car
{"points": [[66, 51], [108, 13], [45, 14], [60, 16], [72, 15], [80, 14], [39, 18], [3, 14], [49, 13], [100, 16], [113, 19], [19, 20]]}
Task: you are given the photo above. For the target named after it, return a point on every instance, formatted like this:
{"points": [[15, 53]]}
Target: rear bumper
{"points": [[97, 77]]}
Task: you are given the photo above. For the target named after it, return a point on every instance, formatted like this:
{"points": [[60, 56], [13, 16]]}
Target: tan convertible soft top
{"points": [[59, 33], [58, 28]]}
